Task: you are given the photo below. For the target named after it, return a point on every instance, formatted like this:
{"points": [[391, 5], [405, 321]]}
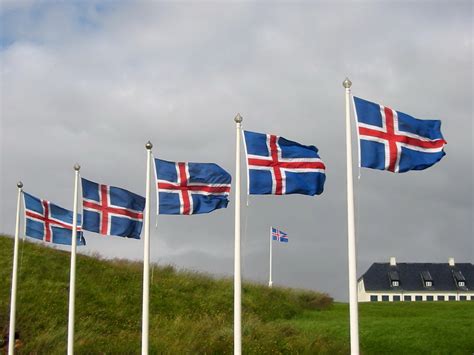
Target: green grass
{"points": [[399, 328], [192, 313]]}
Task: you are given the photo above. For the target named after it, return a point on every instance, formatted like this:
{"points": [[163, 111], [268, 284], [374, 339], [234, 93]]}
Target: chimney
{"points": [[451, 261], [393, 261]]}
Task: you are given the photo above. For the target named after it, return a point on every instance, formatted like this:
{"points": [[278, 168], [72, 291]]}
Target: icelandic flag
{"points": [[111, 210], [278, 166], [279, 235], [50, 223], [191, 188], [394, 141]]}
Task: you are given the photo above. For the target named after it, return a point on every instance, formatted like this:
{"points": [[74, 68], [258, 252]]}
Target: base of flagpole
{"points": [[270, 284]]}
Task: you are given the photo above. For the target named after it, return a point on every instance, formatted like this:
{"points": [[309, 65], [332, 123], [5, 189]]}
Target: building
{"points": [[392, 281]]}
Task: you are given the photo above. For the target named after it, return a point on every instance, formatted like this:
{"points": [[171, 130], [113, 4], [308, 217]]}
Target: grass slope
{"points": [[189, 312], [192, 313]]}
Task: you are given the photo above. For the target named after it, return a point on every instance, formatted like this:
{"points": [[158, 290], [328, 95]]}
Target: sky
{"points": [[91, 82]]}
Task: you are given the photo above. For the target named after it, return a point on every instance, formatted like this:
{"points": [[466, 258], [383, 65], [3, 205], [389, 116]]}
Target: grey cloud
{"points": [[92, 84]]}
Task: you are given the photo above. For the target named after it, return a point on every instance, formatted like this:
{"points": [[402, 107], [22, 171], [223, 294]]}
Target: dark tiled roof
{"points": [[377, 277]]}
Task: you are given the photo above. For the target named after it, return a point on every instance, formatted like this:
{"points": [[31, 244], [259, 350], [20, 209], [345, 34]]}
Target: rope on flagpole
{"points": [[244, 236], [21, 255], [357, 184], [22, 247], [357, 135], [247, 194], [152, 269], [157, 193]]}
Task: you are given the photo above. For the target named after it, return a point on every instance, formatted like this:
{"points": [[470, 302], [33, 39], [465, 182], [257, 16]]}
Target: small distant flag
{"points": [[278, 166], [110, 210], [191, 188], [279, 235], [50, 223], [394, 141]]}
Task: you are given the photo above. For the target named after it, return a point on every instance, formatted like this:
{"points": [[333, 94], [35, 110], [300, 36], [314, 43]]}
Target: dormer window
{"points": [[394, 278], [427, 279], [459, 278]]}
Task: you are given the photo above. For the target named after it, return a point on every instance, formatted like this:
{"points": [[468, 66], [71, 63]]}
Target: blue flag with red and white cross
{"points": [[191, 188], [394, 141], [279, 235], [49, 222], [278, 166], [110, 210]]}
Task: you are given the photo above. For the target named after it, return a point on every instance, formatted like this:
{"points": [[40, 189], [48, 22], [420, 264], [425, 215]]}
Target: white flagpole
{"points": [[237, 267], [11, 332], [146, 255], [270, 282], [72, 280], [351, 242]]}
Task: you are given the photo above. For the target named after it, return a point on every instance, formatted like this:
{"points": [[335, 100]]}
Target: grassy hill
{"points": [[192, 313]]}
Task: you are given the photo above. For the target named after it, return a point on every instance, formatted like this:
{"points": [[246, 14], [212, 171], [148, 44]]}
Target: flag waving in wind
{"points": [[111, 210], [191, 188], [279, 235], [279, 166], [49, 222], [394, 141]]}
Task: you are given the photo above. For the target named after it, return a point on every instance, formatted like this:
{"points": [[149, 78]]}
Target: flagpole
{"points": [[72, 280], [270, 282], [237, 267], [351, 242], [146, 254], [11, 332]]}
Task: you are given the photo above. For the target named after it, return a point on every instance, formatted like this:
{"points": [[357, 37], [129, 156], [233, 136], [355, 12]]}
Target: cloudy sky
{"points": [[92, 81]]}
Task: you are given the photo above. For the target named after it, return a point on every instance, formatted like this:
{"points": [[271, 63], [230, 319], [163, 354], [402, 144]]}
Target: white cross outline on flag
{"points": [[185, 189], [278, 166], [393, 139], [276, 233], [47, 221], [106, 210]]}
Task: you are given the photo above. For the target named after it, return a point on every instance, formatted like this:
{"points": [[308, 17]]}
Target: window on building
{"points": [[374, 298], [396, 298], [385, 298], [427, 279], [407, 298], [394, 278], [418, 298], [462, 298], [452, 298], [459, 278], [429, 298], [440, 298]]}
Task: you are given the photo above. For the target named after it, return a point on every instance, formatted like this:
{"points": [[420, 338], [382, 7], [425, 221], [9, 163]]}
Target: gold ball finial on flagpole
{"points": [[148, 145], [77, 167], [19, 184], [238, 118], [347, 83]]}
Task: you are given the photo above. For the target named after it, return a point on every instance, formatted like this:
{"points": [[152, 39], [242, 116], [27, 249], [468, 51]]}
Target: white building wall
{"points": [[364, 296]]}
